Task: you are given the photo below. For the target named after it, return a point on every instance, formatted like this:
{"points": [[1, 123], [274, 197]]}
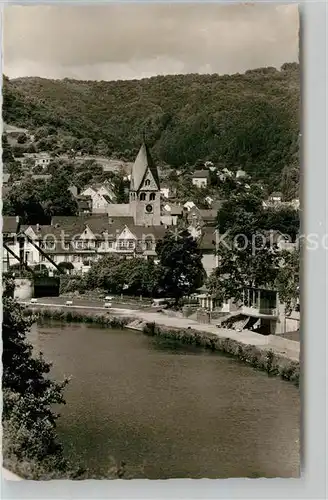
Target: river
{"points": [[172, 411]]}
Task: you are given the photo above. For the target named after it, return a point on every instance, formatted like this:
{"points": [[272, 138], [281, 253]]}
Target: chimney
{"points": [[38, 227]]}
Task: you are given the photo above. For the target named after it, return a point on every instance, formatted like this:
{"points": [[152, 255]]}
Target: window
{"points": [[126, 244], [49, 245], [78, 244], [152, 196], [142, 196], [147, 183], [148, 244]]}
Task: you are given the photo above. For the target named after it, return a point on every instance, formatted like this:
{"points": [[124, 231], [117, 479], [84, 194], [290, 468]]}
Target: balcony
{"points": [[260, 312], [260, 303]]}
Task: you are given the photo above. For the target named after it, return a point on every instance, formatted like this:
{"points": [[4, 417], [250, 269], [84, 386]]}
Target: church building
{"points": [[144, 196]]}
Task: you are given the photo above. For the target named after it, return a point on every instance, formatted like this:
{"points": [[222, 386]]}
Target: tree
{"points": [[7, 154], [25, 201], [66, 266], [138, 277], [242, 267], [246, 257], [56, 199], [28, 396], [288, 279], [283, 219], [104, 274], [180, 261]]}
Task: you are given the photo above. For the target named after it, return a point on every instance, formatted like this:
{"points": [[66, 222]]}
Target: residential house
{"points": [[208, 242], [84, 204], [275, 197], [170, 214], [41, 159], [224, 174], [241, 174], [189, 205], [202, 217], [201, 178], [101, 197], [83, 240], [167, 191]]}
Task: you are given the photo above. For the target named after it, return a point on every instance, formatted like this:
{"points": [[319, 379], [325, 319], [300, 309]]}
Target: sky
{"points": [[126, 41]]}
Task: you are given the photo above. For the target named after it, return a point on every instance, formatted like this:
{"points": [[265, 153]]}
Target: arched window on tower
{"points": [[152, 196], [147, 183], [142, 197]]}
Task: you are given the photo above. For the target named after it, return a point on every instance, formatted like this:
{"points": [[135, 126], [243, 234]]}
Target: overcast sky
{"points": [[140, 40]]}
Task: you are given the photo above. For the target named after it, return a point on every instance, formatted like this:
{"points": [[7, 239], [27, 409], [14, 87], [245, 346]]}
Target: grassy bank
{"points": [[69, 316], [263, 359]]}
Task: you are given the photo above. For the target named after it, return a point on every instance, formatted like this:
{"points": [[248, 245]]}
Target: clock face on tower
{"points": [[149, 208]]}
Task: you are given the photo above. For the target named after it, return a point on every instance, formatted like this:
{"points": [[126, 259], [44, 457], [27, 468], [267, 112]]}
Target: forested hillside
{"points": [[249, 120]]}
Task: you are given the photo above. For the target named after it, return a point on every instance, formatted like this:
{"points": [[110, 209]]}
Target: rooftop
{"points": [[201, 174], [142, 163]]}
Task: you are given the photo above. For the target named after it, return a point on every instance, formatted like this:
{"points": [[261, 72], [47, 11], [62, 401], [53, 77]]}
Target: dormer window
{"points": [[142, 196], [147, 183]]}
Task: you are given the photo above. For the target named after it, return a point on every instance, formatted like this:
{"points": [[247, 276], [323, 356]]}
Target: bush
{"points": [[265, 360]]}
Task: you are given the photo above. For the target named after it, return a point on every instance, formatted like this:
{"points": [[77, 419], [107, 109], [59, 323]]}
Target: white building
{"points": [[201, 178]]}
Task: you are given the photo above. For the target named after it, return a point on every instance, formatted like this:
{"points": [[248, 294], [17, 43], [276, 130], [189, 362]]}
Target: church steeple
{"points": [[145, 197], [142, 164]]}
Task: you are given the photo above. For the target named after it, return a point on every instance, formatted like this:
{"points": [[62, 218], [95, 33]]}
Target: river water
{"points": [[171, 411]]}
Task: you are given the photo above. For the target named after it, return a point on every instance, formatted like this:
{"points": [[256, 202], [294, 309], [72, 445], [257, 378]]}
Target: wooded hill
{"points": [[246, 120]]}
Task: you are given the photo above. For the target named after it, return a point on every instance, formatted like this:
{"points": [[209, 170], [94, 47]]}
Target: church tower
{"points": [[145, 196]]}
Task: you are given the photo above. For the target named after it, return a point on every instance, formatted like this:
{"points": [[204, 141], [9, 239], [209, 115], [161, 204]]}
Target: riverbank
{"points": [[275, 355]]}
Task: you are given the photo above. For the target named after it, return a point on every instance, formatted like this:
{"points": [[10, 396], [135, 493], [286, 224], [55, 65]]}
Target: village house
{"points": [[275, 197], [241, 174], [202, 217], [41, 159], [200, 178], [85, 239], [189, 205], [84, 204], [171, 213], [101, 195]]}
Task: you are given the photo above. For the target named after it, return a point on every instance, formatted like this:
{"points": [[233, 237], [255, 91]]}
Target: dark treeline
{"points": [[246, 120]]}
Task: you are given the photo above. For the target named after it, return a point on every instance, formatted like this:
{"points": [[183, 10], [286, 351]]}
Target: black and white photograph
{"points": [[151, 241]]}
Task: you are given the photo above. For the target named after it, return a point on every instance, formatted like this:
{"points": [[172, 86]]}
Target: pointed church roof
{"points": [[140, 167]]}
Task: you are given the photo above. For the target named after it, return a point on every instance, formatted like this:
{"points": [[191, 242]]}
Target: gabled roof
{"points": [[142, 163], [276, 194], [201, 174]]}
